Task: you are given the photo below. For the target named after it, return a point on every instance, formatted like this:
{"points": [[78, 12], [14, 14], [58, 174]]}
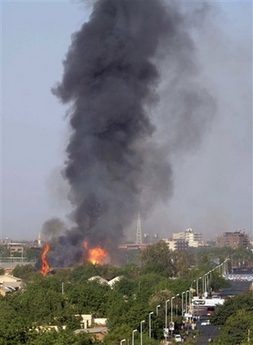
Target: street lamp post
{"points": [[183, 303], [194, 281], [192, 290], [166, 313], [122, 341], [171, 307], [149, 323], [203, 285], [190, 299], [207, 283], [198, 286], [226, 266], [157, 307], [208, 277], [186, 301], [141, 329], [171, 310], [135, 330]]}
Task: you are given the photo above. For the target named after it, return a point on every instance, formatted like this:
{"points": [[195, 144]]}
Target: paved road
{"points": [[236, 288], [207, 332]]}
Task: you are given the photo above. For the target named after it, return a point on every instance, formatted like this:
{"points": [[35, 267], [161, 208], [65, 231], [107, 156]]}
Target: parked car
{"points": [[178, 338]]}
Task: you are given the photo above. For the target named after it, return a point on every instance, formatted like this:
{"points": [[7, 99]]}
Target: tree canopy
{"points": [[61, 296]]}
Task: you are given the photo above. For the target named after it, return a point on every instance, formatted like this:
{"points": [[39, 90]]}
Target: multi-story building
{"points": [[16, 248], [194, 239], [178, 235], [236, 239], [178, 244]]}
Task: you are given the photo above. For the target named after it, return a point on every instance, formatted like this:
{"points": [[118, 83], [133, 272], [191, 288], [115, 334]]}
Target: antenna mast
{"points": [[138, 230]]}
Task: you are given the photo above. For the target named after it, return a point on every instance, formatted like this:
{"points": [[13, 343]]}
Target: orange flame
{"points": [[96, 255], [45, 265]]}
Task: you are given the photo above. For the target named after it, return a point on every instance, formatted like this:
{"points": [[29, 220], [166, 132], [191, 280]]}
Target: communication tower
{"points": [[138, 230]]}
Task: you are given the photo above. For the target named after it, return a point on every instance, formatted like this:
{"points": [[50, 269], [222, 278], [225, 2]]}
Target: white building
{"points": [[9, 284], [178, 236], [194, 239]]}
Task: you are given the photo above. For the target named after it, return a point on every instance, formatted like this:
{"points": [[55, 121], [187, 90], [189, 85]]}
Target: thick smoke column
{"points": [[115, 166]]}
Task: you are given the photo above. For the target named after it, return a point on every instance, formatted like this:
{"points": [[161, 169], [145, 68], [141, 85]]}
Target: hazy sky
{"points": [[212, 184]]}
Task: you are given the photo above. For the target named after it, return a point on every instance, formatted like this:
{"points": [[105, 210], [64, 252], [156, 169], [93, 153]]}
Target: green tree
{"points": [[108, 272], [32, 254], [182, 261], [237, 327], [12, 325], [89, 298], [229, 308], [157, 258], [126, 286], [52, 337], [42, 303], [83, 272], [130, 271], [25, 272]]}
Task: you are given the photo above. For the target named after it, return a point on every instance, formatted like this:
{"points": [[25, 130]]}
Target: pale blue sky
{"points": [[213, 186]]}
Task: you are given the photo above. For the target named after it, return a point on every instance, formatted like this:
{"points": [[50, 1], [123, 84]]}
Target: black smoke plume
{"points": [[116, 166]]}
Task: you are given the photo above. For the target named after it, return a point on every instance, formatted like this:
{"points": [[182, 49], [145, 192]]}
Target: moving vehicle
{"points": [[216, 296], [198, 302], [205, 323], [210, 311]]}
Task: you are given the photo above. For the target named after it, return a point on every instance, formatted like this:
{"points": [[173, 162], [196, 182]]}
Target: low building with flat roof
{"points": [[9, 284], [8, 280]]}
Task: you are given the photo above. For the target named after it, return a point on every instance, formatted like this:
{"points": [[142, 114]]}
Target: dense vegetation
{"points": [[235, 318], [61, 296]]}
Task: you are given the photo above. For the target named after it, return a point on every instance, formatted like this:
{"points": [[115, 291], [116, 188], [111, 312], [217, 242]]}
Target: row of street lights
{"points": [[205, 282], [205, 279], [171, 310], [171, 307], [205, 286], [150, 318], [135, 330], [149, 321]]}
